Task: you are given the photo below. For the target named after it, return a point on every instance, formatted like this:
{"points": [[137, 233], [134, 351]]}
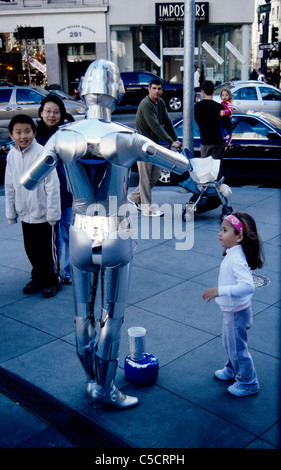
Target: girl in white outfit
{"points": [[235, 288]]}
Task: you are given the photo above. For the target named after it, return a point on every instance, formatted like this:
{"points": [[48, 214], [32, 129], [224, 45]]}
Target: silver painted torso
{"points": [[92, 179]]}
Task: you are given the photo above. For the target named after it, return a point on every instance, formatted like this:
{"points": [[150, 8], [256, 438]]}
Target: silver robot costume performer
{"points": [[97, 154]]}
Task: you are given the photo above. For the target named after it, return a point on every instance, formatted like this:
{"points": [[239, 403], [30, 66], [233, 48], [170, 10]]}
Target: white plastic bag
{"points": [[204, 170]]}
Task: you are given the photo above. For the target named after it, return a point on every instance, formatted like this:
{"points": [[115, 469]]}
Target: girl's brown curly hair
{"points": [[251, 243]]}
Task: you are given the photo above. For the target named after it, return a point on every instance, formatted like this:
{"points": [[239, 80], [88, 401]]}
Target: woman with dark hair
{"points": [[53, 114]]}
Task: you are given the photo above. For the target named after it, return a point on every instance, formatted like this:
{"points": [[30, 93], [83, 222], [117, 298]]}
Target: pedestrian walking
{"points": [[152, 121], [197, 80], [243, 252], [261, 77], [38, 210]]}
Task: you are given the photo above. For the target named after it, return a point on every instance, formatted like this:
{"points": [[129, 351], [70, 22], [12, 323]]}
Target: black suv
{"points": [[136, 84]]}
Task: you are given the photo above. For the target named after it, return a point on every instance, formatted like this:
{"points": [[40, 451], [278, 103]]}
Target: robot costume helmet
{"points": [[102, 85]]}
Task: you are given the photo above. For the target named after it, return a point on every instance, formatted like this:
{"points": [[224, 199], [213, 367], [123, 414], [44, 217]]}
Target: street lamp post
{"points": [[265, 33], [188, 76]]}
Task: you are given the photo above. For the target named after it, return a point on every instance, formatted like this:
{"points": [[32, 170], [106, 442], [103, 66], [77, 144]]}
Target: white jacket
{"points": [[235, 283], [33, 207]]}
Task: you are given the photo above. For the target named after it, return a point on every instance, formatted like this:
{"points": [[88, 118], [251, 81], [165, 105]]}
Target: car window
{"points": [[247, 93], [5, 96], [249, 128], [179, 130], [129, 78], [269, 94], [144, 79], [28, 97]]}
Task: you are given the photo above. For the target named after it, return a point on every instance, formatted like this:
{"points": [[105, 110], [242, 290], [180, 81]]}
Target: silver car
{"points": [[252, 96], [26, 100]]}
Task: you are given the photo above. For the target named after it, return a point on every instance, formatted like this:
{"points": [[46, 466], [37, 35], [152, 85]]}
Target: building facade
{"points": [[272, 38], [65, 36]]}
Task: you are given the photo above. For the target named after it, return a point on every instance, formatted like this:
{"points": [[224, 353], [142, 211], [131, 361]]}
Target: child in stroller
{"points": [[208, 191]]}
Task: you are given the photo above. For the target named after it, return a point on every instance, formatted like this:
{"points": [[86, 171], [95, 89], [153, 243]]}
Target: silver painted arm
{"points": [[67, 144], [124, 149]]}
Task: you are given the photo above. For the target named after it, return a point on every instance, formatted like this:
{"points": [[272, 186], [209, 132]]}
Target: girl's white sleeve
{"points": [[244, 281]]}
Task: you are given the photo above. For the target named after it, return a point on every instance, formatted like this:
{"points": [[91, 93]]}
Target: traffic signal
{"points": [[274, 34]]}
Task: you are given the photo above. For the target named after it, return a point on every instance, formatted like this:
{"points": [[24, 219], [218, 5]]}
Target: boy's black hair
{"points": [[21, 119], [208, 87]]}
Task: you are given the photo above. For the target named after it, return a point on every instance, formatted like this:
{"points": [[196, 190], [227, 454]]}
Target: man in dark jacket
{"points": [[207, 116], [151, 116]]}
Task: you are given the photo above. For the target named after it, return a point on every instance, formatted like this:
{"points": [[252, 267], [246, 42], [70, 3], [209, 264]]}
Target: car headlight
{"points": [[80, 110]]}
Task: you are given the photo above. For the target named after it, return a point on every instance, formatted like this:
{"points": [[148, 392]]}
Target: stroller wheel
{"points": [[225, 212], [186, 215]]}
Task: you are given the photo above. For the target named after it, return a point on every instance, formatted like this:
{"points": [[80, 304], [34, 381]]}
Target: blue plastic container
{"points": [[142, 372]]}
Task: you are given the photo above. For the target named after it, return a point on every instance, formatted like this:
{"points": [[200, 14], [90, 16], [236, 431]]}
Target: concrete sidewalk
{"points": [[187, 408]]}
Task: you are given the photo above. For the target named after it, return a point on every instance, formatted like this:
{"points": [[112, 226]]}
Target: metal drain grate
{"points": [[77, 426]]}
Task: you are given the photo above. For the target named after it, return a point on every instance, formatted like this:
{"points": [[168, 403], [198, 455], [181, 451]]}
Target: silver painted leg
{"points": [[98, 348]]}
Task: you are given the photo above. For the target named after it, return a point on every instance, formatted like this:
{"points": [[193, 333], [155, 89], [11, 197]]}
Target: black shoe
{"points": [[193, 198], [67, 279], [51, 291], [32, 287]]}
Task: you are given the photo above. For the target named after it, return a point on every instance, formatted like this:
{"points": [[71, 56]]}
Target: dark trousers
{"points": [[41, 248]]}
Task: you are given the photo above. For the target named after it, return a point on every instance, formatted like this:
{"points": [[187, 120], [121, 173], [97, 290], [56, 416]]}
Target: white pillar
{"points": [[53, 64], [245, 51]]}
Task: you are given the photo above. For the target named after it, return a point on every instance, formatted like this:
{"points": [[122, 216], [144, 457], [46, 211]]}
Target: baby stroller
{"points": [[208, 192]]}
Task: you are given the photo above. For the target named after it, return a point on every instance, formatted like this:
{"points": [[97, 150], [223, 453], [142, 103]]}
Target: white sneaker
{"points": [[137, 206], [224, 374], [240, 390], [153, 213]]}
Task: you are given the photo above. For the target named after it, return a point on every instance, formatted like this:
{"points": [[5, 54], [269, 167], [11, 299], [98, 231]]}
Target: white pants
{"points": [[234, 338]]}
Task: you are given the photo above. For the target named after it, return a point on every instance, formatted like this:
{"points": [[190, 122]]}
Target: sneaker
{"points": [[67, 279], [51, 291], [156, 213], [151, 211], [137, 206], [224, 374], [32, 287], [242, 390]]}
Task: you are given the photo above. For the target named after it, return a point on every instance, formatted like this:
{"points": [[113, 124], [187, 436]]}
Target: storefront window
{"points": [[75, 59], [22, 56], [167, 43], [125, 47], [215, 37]]}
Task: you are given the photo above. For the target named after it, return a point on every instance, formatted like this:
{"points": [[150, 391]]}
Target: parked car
{"points": [[136, 85], [26, 100], [254, 151], [65, 96], [252, 96]]}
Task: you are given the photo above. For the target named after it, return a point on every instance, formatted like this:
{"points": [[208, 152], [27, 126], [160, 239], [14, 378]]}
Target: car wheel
{"points": [[174, 104], [165, 176], [225, 212], [187, 215]]}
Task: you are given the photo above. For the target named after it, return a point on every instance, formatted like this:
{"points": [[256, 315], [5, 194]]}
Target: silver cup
{"points": [[137, 342]]}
